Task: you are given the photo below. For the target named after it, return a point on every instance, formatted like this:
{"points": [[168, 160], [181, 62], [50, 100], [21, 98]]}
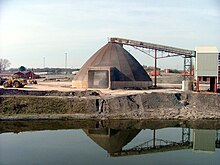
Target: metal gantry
{"points": [[188, 68], [218, 77], [158, 145], [217, 142], [186, 135], [167, 50]]}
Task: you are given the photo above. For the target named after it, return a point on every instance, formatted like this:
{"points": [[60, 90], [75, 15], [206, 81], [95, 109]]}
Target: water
{"points": [[116, 142]]}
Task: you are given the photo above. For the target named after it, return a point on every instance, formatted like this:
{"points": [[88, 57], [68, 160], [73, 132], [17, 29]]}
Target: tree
{"points": [[4, 63], [22, 69]]}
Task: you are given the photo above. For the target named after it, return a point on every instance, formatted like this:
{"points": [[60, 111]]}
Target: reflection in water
{"points": [[113, 141], [217, 139], [110, 139], [204, 140], [69, 143]]}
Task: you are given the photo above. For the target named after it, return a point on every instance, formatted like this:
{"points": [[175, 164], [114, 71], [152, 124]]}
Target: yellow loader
{"points": [[16, 81]]}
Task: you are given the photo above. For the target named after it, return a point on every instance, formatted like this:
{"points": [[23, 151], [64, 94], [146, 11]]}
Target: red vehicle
{"points": [[152, 73]]}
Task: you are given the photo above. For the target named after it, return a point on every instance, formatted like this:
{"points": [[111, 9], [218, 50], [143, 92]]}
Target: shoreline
{"points": [[92, 104], [40, 125]]}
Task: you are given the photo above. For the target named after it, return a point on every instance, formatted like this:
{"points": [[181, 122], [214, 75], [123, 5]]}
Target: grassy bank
{"points": [[44, 105]]}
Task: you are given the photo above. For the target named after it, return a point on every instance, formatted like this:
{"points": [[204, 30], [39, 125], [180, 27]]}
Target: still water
{"points": [[107, 143]]}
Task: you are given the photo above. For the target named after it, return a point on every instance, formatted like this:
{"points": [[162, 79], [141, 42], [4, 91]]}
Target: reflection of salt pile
{"points": [[112, 67], [111, 140]]}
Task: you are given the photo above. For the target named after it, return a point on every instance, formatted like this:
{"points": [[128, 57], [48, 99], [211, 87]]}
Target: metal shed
{"points": [[206, 66]]}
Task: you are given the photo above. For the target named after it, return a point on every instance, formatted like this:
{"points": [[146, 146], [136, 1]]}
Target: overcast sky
{"points": [[33, 29]]}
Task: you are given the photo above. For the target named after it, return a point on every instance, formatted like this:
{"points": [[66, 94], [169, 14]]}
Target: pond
{"points": [[109, 142]]}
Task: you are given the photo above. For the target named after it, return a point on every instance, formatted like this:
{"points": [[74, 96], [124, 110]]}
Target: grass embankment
{"points": [[26, 105]]}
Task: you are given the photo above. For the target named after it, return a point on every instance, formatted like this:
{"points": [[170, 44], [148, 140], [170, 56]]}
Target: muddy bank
{"points": [[21, 126], [28, 105], [17, 92]]}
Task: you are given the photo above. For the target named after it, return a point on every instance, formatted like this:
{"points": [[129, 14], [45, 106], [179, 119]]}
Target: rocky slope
{"points": [[15, 104]]}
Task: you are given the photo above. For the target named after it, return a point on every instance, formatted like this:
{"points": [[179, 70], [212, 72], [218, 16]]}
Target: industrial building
{"points": [[112, 67], [207, 66]]}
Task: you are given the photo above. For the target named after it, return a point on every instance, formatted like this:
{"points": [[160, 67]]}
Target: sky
{"points": [[34, 30]]}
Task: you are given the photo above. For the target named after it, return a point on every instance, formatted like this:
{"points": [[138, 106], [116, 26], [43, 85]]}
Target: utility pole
{"points": [[66, 62], [155, 68], [43, 62]]}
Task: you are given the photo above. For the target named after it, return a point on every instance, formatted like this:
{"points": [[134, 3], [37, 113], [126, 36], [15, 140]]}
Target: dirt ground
{"points": [[63, 101], [66, 86], [166, 82]]}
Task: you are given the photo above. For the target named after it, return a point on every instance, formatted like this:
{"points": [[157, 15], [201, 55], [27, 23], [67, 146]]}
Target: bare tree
{"points": [[4, 63]]}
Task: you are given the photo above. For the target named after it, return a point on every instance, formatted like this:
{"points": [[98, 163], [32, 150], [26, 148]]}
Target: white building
{"points": [[206, 66]]}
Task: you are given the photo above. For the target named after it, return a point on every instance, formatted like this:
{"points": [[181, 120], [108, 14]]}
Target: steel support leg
{"points": [[155, 69], [185, 135], [188, 68]]}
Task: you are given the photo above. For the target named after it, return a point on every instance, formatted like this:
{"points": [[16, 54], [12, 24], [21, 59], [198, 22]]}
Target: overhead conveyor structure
{"points": [[167, 51]]}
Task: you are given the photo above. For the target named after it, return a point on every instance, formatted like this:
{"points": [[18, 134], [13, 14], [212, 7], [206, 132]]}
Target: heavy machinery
{"points": [[2, 80], [16, 81]]}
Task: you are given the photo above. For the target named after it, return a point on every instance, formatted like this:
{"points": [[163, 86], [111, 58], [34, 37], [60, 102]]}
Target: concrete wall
{"points": [[79, 84], [130, 84], [117, 84]]}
